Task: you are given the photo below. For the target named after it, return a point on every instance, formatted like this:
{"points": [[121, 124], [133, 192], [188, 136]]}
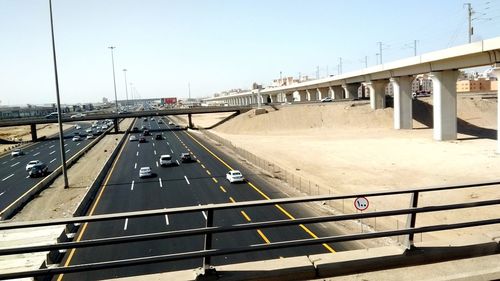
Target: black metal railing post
{"points": [[412, 218], [208, 238]]}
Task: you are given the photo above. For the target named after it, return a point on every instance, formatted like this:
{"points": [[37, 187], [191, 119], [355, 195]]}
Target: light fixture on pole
{"points": [[114, 80], [126, 90], [59, 113]]}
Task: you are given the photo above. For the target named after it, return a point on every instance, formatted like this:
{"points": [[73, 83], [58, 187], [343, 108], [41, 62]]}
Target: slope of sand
{"points": [[349, 148]]}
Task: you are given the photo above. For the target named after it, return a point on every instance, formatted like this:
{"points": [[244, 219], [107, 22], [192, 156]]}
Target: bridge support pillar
{"points": [[289, 97], [34, 137], [377, 94], [351, 90], [444, 99], [338, 92], [312, 95], [302, 95], [116, 125], [403, 115], [190, 121], [323, 93], [496, 70]]}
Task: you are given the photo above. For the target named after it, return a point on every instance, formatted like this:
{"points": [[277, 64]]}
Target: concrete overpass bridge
{"points": [[442, 66], [32, 122]]}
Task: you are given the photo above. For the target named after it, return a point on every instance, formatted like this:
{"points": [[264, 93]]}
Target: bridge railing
{"points": [[209, 230]]}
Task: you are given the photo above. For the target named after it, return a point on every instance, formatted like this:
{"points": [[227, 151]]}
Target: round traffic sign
{"points": [[361, 203]]}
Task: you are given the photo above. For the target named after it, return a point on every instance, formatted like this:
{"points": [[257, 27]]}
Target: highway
{"points": [[14, 180], [200, 182]]}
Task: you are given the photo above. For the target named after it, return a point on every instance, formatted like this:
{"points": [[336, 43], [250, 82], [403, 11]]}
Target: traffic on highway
{"points": [[195, 174], [26, 167]]}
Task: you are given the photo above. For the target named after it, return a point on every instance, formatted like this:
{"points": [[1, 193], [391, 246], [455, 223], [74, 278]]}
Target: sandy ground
{"points": [[346, 148], [23, 133]]}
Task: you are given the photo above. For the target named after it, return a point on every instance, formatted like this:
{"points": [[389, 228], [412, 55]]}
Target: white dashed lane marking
{"points": [[8, 177]]}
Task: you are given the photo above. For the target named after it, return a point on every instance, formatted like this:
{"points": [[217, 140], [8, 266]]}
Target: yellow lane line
{"points": [[203, 166], [232, 200], [263, 236], [215, 180], [222, 188], [307, 230], [72, 252], [208, 172], [246, 216]]}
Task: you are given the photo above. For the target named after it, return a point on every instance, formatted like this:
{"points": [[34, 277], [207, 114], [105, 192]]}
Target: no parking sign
{"points": [[361, 203]]}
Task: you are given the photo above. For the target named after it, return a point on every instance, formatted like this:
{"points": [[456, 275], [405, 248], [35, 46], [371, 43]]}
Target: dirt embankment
{"points": [[349, 148]]}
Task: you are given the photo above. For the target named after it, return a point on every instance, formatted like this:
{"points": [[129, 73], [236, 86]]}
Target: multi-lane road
{"points": [[14, 180], [187, 184]]}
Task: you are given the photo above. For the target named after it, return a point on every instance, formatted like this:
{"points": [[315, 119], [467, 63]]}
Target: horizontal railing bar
{"points": [[239, 227], [256, 203], [251, 248]]}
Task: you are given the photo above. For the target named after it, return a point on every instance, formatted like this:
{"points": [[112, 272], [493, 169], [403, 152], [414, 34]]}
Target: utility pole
{"points": [[469, 15], [317, 72], [59, 113], [126, 89], [340, 65], [380, 51], [366, 61], [189, 90], [114, 80], [415, 47]]}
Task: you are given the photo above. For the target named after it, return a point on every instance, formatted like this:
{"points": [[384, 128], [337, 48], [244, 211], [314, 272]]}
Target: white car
{"points": [[326, 99], [132, 138], [76, 138], [166, 160], [89, 131], [234, 176], [32, 163], [16, 152], [90, 136], [145, 172], [170, 123], [104, 127], [78, 127]]}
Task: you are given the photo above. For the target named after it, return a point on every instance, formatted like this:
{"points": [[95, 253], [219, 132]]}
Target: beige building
{"points": [[477, 85]]}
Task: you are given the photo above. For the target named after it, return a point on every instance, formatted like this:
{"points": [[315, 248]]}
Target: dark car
{"points": [[158, 137], [135, 129], [38, 170], [146, 133], [142, 140], [186, 157]]}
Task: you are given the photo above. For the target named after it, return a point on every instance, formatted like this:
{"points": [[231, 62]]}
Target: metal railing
{"points": [[207, 252]]}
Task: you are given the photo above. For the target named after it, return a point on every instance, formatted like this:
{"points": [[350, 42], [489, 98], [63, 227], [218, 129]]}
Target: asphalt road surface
{"points": [[14, 180], [200, 182]]}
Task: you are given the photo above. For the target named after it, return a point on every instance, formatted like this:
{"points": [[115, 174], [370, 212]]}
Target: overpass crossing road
{"points": [[14, 180], [199, 182]]}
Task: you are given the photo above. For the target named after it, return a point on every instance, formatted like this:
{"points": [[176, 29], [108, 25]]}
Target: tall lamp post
{"points": [[114, 80], [59, 113], [126, 90]]}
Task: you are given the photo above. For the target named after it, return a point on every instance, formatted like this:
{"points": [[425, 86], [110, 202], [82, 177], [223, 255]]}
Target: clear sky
{"points": [[213, 45]]}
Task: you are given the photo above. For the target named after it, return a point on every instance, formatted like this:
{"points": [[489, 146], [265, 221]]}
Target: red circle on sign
{"points": [[361, 206]]}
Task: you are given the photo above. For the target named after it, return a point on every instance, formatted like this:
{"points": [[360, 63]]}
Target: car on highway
{"points": [[143, 127], [88, 131], [327, 99], [89, 136], [170, 123], [132, 138], [152, 119], [145, 119], [38, 170], [51, 115], [104, 127], [16, 152], [135, 129], [186, 157], [142, 140], [158, 137], [145, 172], [76, 138], [78, 127], [32, 163], [146, 133], [234, 176], [166, 160]]}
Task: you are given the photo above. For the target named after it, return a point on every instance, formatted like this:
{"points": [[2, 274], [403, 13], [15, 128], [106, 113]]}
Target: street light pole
{"points": [[126, 90], [59, 113], [114, 80]]}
